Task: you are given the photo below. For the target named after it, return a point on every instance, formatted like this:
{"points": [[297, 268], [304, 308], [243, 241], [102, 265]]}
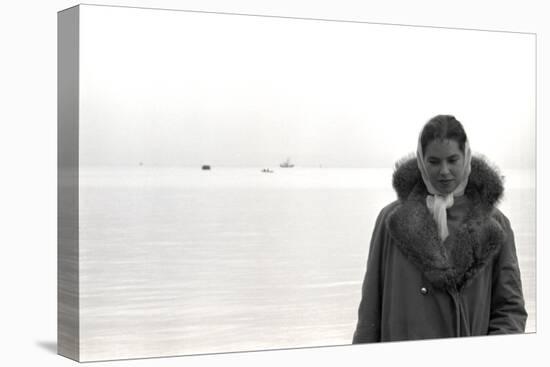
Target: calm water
{"points": [[184, 261]]}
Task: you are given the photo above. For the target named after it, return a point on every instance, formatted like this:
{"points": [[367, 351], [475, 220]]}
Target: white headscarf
{"points": [[437, 202]]}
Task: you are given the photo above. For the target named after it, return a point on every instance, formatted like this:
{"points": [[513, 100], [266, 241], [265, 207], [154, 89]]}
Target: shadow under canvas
{"points": [[50, 346]]}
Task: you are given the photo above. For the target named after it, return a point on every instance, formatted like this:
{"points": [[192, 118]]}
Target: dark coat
{"points": [[417, 287]]}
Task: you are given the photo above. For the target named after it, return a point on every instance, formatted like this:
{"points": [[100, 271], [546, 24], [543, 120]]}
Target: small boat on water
{"points": [[267, 170], [205, 167], [287, 164]]}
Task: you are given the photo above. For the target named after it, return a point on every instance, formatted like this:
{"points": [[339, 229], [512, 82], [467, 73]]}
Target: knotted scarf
{"points": [[438, 202]]}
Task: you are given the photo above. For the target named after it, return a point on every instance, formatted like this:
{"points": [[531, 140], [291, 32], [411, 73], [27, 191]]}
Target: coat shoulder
{"points": [[386, 212], [388, 209], [501, 219]]}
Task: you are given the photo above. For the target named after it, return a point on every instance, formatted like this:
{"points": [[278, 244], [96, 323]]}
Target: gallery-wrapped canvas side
{"points": [[67, 184]]}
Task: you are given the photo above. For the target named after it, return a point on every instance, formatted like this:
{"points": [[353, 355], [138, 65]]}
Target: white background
{"points": [[28, 151]]}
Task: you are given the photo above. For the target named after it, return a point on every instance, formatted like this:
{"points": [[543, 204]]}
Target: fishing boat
{"points": [[287, 164]]}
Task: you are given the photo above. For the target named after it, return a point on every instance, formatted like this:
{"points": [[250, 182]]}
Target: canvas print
{"points": [[239, 183]]}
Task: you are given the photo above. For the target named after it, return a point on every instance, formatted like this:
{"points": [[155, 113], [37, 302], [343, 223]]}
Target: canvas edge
{"points": [[68, 323]]}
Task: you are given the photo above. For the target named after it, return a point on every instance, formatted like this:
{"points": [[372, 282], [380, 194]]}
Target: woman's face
{"points": [[444, 162]]}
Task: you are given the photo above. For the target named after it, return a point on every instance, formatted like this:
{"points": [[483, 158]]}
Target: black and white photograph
{"points": [[285, 183], [274, 183]]}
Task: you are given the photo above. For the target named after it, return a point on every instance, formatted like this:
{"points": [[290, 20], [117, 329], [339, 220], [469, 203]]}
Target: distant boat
{"points": [[287, 164], [205, 167], [267, 170]]}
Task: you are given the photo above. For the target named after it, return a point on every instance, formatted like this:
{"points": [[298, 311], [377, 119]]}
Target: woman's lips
{"points": [[446, 182]]}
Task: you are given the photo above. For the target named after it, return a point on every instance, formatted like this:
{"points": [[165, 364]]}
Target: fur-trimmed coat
{"points": [[417, 287]]}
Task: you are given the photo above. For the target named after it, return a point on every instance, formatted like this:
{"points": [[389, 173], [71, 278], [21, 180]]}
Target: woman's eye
{"points": [[454, 160]]}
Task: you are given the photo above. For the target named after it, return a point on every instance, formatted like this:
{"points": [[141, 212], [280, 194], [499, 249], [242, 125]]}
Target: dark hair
{"points": [[443, 127]]}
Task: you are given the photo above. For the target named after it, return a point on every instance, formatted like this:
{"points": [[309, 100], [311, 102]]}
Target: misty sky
{"points": [[186, 89]]}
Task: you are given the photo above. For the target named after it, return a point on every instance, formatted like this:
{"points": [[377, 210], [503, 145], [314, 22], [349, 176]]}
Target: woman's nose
{"points": [[444, 169]]}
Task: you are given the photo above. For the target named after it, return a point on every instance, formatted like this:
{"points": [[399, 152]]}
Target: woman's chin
{"points": [[446, 188]]}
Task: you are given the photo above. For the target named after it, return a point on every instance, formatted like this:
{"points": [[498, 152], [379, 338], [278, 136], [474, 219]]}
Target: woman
{"points": [[442, 260]]}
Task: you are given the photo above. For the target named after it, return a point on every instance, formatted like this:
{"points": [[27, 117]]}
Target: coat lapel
{"points": [[455, 263]]}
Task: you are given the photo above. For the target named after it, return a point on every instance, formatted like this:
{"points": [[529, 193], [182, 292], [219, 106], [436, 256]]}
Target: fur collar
{"points": [[455, 262]]}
